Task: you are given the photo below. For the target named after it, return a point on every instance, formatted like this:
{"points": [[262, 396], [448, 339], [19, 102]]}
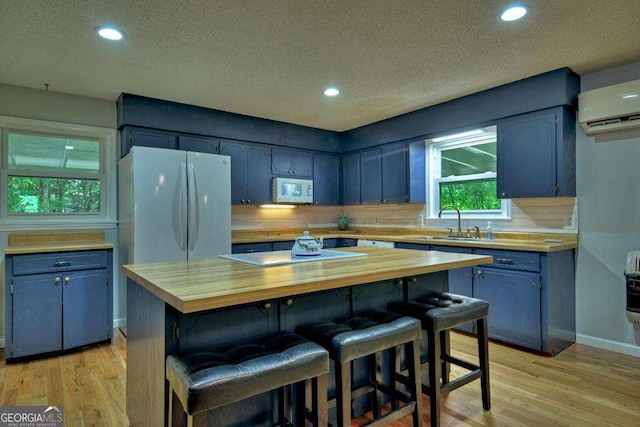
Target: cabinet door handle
{"points": [[504, 194], [248, 251], [479, 272], [56, 280], [66, 279], [504, 260], [62, 264]]}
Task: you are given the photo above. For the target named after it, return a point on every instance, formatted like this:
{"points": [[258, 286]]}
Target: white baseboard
{"points": [[119, 322], [618, 347]]}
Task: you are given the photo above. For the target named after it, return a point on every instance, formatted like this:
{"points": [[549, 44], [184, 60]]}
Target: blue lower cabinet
{"points": [[37, 315], [86, 312], [460, 280], [69, 306], [514, 304]]}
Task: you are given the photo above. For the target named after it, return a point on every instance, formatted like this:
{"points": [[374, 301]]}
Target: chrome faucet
{"points": [[459, 222]]}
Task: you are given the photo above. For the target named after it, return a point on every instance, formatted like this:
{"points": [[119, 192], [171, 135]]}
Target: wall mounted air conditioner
{"points": [[610, 108]]}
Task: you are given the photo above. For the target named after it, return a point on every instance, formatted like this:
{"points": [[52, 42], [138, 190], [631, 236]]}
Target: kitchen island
{"points": [[189, 305]]}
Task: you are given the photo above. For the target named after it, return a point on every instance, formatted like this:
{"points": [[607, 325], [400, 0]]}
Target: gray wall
{"points": [[37, 104], [608, 190]]}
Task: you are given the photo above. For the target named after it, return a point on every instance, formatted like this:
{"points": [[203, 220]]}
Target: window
{"points": [[56, 173], [462, 173]]}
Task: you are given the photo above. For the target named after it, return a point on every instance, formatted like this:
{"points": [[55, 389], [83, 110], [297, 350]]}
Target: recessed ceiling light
{"points": [[110, 33], [514, 13], [633, 95], [331, 91], [69, 147]]}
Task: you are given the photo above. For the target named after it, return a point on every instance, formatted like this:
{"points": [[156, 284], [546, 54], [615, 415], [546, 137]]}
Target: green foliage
{"points": [[53, 195], [470, 195]]}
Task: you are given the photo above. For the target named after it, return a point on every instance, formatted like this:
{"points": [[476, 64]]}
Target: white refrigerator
{"points": [[172, 206]]}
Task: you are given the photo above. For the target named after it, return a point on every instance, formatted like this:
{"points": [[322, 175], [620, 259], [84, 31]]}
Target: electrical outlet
{"points": [[568, 221], [377, 220]]}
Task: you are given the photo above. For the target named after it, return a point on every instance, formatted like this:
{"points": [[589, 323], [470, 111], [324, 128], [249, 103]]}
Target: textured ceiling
{"points": [[273, 58]]}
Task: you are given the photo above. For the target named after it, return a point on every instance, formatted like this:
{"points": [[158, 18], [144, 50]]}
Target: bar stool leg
{"points": [[412, 350], [374, 380], [483, 357], [281, 398], [434, 377], [394, 367], [197, 420], [170, 408], [445, 348], [343, 393], [319, 404]]}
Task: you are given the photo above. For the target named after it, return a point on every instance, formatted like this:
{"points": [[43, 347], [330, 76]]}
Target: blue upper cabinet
{"points": [[371, 173], [536, 155], [292, 162], [326, 179], [351, 179], [132, 136], [250, 171], [201, 144], [394, 173]]}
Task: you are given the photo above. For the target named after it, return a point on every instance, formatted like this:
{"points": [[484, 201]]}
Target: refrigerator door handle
{"points": [[182, 208], [194, 209]]}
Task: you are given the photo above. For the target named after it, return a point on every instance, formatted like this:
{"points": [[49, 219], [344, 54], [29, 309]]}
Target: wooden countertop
{"points": [[197, 285], [30, 243], [531, 242]]}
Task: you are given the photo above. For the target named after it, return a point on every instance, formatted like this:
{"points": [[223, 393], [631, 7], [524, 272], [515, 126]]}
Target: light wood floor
{"points": [[582, 386]]}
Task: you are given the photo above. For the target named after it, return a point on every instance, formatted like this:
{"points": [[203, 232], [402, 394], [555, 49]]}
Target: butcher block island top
{"points": [[197, 285]]}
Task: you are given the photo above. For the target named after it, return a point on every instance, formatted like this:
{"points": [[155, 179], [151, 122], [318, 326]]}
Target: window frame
{"points": [[106, 218], [434, 178]]}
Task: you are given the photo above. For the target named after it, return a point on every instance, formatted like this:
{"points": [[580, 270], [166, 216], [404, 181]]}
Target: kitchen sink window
{"points": [[56, 173], [462, 173]]}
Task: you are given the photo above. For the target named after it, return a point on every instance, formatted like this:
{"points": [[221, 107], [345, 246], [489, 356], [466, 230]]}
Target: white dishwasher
{"points": [[378, 243]]}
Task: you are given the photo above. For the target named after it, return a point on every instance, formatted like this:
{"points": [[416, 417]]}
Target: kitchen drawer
{"points": [[416, 246], [453, 249], [58, 261], [246, 248], [329, 243], [283, 246], [527, 261]]}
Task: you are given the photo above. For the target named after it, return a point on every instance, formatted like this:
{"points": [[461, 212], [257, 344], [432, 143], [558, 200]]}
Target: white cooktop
{"points": [[265, 259]]}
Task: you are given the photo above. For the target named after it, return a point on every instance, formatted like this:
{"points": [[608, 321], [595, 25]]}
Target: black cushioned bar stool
{"points": [[439, 312], [365, 335], [207, 380]]}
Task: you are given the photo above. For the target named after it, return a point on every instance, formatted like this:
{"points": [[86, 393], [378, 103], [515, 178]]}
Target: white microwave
{"points": [[289, 190]]}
